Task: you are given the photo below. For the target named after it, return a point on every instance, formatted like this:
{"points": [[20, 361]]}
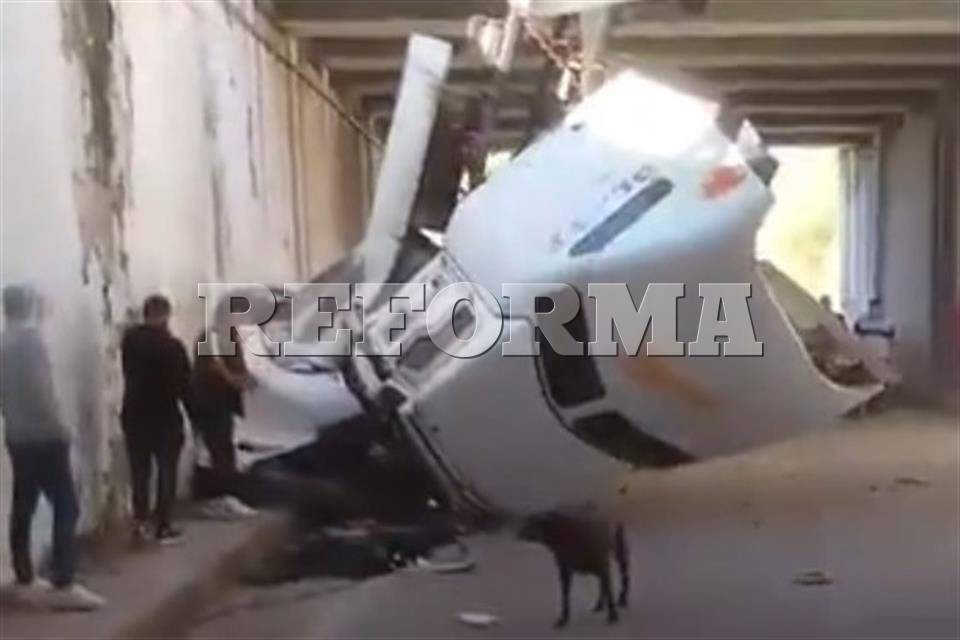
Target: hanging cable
{"points": [[234, 13]]}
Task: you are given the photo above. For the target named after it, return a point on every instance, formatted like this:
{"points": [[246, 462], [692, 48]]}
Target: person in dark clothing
{"points": [[217, 385], [156, 374], [39, 447]]}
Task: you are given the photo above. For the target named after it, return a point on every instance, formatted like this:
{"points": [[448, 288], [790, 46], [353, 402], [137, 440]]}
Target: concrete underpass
{"points": [[149, 147]]}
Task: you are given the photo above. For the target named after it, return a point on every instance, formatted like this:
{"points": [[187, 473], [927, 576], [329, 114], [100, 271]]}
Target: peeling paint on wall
{"points": [[210, 128], [251, 164], [216, 186], [92, 48], [216, 199], [100, 185], [102, 208], [87, 37]]}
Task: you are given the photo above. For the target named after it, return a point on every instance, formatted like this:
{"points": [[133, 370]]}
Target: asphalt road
{"points": [[716, 549]]}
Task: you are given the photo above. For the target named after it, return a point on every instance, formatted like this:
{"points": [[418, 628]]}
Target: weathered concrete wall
{"points": [[947, 312], [946, 254], [952, 390], [42, 156], [908, 207], [148, 147], [332, 199]]}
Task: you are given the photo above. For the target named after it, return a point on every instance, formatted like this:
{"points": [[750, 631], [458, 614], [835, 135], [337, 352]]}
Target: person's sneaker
{"points": [[237, 508], [168, 536], [226, 508], [215, 509], [140, 535], [74, 597]]}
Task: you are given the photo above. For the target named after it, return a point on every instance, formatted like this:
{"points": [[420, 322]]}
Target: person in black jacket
{"points": [[156, 374], [217, 386]]}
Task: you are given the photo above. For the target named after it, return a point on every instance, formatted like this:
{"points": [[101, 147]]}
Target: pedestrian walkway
{"points": [[153, 592]]}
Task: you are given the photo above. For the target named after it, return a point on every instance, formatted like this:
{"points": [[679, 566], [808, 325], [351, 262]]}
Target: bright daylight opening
{"points": [[801, 234]]}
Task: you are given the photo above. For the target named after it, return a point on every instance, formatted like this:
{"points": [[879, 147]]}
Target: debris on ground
{"points": [[435, 565], [245, 600], [363, 552], [477, 619], [15, 596], [450, 556], [362, 506], [814, 578], [910, 481]]}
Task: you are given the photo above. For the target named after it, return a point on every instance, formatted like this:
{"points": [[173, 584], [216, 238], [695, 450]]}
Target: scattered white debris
{"points": [[477, 619], [453, 566], [454, 558], [814, 578]]}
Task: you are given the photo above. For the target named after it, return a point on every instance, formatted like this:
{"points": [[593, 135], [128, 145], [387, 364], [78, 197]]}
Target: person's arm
{"points": [[181, 370], [37, 376], [220, 367], [239, 353], [239, 380], [247, 379]]}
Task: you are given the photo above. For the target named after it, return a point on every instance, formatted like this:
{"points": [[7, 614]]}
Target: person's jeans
{"points": [[43, 468], [216, 431], [151, 443]]}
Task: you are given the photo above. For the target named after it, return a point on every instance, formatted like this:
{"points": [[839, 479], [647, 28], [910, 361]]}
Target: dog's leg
{"points": [[607, 595], [622, 554], [601, 596], [565, 577]]}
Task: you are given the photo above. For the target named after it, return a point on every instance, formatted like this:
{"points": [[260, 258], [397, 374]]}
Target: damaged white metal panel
{"points": [[497, 436], [281, 414], [490, 418], [424, 72], [809, 316]]}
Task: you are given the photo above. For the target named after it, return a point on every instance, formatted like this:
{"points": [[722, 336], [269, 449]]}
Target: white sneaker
{"points": [[75, 597], [238, 508], [227, 508], [216, 509]]}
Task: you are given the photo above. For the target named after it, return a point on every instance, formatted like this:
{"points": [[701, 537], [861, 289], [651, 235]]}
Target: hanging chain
{"points": [[561, 52], [556, 50]]}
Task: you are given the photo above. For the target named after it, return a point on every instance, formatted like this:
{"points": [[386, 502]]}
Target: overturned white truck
{"points": [[637, 185]]}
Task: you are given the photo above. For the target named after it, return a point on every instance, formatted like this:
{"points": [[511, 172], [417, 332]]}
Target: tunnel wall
{"points": [[148, 147], [908, 204]]}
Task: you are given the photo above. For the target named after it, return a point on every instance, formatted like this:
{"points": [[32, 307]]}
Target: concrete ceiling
{"points": [[803, 70]]}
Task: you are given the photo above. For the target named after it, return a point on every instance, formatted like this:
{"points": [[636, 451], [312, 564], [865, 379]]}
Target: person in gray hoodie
{"points": [[39, 447]]}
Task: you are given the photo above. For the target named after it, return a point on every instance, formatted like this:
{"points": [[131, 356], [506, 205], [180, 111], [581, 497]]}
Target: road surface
{"points": [[716, 549]]}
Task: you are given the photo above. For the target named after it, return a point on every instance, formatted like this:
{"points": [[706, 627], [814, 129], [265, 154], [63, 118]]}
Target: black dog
{"points": [[582, 542]]}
